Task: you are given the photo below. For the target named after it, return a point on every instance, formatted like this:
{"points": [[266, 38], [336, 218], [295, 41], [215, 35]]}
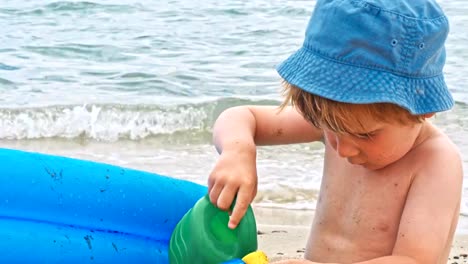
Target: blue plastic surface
{"points": [[234, 261], [61, 210]]}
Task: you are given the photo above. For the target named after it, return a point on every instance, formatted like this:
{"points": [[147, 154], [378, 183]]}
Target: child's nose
{"points": [[346, 148]]}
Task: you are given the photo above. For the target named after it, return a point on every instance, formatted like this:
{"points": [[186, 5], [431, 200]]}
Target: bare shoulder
{"points": [[438, 153], [439, 162]]}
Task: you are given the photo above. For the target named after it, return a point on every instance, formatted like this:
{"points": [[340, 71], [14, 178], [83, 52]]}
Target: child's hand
{"points": [[235, 174]]}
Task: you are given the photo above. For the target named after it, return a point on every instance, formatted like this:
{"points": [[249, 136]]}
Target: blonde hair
{"points": [[344, 117]]}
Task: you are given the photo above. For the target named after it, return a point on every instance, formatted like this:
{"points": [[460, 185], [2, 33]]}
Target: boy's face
{"points": [[379, 146]]}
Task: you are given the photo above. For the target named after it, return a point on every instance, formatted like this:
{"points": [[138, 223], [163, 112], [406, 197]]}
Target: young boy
{"points": [[365, 83]]}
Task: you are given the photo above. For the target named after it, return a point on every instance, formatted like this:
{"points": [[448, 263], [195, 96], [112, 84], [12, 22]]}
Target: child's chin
{"points": [[368, 165], [373, 166]]}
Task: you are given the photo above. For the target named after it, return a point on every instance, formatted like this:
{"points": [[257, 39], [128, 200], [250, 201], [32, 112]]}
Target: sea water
{"points": [[140, 83]]}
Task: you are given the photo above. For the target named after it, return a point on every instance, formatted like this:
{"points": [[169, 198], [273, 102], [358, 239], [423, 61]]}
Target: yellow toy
{"points": [[257, 257]]}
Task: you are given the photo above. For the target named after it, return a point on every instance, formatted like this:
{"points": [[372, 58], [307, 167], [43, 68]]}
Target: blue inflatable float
{"points": [[61, 210]]}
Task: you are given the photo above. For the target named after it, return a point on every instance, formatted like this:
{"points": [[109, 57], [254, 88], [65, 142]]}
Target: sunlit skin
{"points": [[390, 192]]}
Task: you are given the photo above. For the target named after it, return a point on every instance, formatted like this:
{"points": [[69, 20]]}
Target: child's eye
{"points": [[365, 135]]}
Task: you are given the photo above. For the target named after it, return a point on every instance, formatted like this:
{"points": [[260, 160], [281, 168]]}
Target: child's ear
{"points": [[428, 115]]}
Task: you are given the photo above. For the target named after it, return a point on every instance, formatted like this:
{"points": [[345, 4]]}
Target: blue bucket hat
{"points": [[374, 51]]}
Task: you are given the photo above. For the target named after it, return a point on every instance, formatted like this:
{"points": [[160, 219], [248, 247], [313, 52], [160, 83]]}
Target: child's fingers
{"points": [[226, 198], [242, 203], [211, 182], [214, 193]]}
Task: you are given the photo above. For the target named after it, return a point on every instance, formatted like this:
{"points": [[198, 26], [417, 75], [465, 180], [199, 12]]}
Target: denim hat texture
{"points": [[374, 51]]}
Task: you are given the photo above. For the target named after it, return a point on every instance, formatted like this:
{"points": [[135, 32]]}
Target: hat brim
{"points": [[358, 85]]}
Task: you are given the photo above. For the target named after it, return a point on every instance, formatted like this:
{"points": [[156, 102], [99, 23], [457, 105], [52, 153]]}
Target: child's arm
{"points": [[236, 133], [432, 206]]}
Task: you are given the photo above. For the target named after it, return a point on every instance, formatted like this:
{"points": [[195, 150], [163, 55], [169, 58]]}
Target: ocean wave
{"points": [[182, 122], [98, 53], [86, 7], [112, 122]]}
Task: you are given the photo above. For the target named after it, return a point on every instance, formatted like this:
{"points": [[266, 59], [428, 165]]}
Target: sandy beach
{"points": [[283, 235]]}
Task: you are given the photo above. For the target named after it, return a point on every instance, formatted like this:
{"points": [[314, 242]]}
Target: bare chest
{"points": [[357, 211]]}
